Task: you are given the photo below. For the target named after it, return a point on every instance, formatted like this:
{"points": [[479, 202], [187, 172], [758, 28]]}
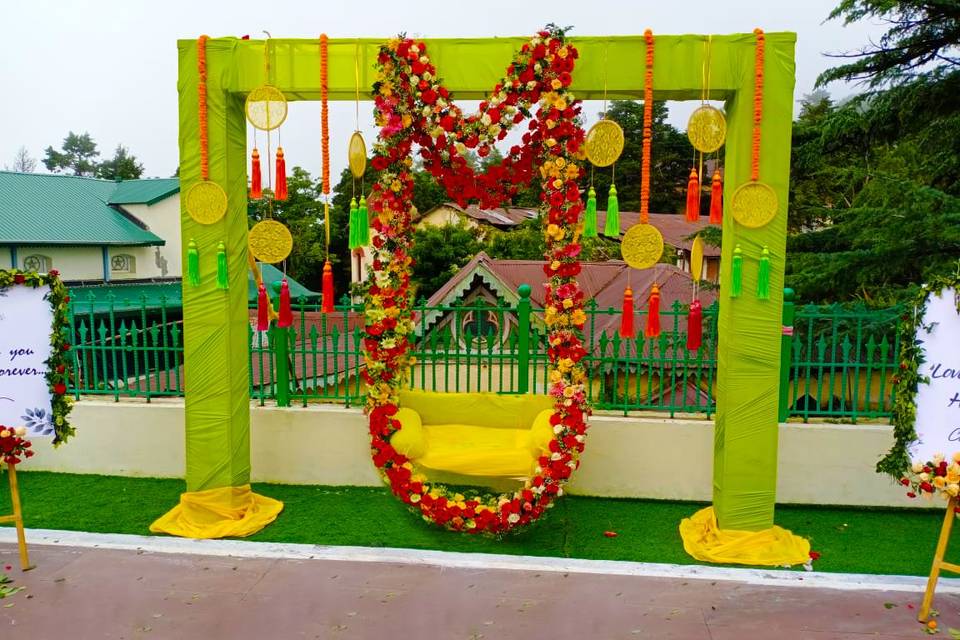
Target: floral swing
{"points": [[527, 445]]}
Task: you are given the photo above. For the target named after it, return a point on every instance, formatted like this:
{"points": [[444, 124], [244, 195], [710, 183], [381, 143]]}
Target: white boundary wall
{"points": [[639, 456]]}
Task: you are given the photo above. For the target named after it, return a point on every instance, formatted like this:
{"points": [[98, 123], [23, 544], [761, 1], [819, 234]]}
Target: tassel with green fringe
{"points": [[363, 223], [352, 229], [193, 263], [763, 275], [612, 227], [736, 273], [590, 215], [223, 282]]}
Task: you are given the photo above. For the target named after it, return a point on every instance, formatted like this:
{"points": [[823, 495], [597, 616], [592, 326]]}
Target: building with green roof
{"points": [[91, 230]]}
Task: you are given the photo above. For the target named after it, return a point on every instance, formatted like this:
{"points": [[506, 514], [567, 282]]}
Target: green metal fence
{"points": [[837, 361]]}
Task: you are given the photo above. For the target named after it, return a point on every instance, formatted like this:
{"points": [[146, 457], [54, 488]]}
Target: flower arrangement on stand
{"points": [[413, 107], [14, 448], [938, 476], [58, 364]]}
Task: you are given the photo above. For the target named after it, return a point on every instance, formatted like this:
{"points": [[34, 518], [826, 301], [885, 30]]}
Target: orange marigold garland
{"points": [[647, 129], [324, 113], [412, 107], [202, 106], [757, 103]]}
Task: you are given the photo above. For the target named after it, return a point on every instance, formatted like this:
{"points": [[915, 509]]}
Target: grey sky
{"points": [[109, 66]]}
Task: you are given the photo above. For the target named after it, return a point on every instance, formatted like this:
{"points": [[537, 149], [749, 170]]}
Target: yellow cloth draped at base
{"points": [[227, 512], [706, 541]]}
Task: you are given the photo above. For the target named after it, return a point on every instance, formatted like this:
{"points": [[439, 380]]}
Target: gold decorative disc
{"points": [[754, 204], [357, 154], [707, 129], [270, 241], [206, 202], [266, 107], [642, 246], [604, 143]]}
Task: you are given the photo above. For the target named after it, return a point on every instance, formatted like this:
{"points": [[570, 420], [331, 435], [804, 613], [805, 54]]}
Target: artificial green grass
{"points": [[890, 541]]}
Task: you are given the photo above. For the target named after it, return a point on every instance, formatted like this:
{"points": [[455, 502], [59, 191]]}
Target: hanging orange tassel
{"points": [[653, 313], [694, 326], [285, 317], [327, 302], [626, 318], [693, 196], [263, 315], [280, 193], [716, 199], [256, 183]]}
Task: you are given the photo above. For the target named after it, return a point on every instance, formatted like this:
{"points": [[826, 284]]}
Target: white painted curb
{"points": [[446, 559]]}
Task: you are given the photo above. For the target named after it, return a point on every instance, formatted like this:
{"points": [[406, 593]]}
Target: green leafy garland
{"points": [[58, 369], [897, 462]]}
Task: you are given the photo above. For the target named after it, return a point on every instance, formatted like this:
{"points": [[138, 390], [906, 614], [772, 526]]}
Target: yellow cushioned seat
{"points": [[474, 434]]}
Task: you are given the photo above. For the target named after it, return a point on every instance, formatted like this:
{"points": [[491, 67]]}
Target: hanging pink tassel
{"points": [[653, 313], [694, 326], [626, 317], [327, 291], [285, 317], [263, 313], [693, 197], [280, 193]]}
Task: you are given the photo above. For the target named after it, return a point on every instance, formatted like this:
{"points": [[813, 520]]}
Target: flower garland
{"points": [[757, 103], [412, 107], [907, 380], [202, 106], [57, 365], [647, 129], [13, 447]]}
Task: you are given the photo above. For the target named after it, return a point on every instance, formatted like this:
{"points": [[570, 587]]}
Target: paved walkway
{"points": [[81, 592]]}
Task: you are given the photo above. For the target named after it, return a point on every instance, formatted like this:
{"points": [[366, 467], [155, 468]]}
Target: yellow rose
{"points": [[406, 119], [5, 433], [562, 52], [567, 303], [558, 183], [555, 84], [551, 142], [578, 317], [956, 456], [953, 489], [939, 482], [560, 162]]}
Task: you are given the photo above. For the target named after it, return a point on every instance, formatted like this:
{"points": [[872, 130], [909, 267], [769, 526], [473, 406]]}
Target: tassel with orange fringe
{"points": [[716, 199], [256, 182], [653, 313], [693, 196], [327, 291], [626, 317], [263, 314], [694, 326], [285, 317], [280, 193]]}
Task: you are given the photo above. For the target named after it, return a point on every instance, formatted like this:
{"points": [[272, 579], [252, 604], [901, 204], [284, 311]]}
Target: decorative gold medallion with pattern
{"points": [[270, 241], [357, 155], [206, 202], [707, 129], [604, 143], [642, 246], [266, 107], [754, 204]]}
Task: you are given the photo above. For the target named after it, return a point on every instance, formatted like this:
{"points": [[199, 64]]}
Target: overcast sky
{"points": [[109, 67]]}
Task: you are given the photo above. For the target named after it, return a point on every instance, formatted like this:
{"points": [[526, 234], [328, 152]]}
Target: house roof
{"points": [[503, 217], [45, 209], [271, 278], [673, 226], [123, 297], [602, 282]]}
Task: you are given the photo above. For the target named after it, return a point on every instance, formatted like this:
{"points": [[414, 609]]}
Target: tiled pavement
{"points": [[81, 593]]}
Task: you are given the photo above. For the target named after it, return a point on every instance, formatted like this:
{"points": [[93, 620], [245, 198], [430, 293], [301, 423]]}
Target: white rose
{"points": [[485, 119], [514, 518], [558, 428], [414, 80], [559, 492], [938, 458], [20, 431], [924, 477], [917, 467]]}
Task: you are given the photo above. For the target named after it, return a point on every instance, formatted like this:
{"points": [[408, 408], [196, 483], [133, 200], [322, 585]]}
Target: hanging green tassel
{"points": [[352, 243], [363, 223], [590, 216], [193, 263], [763, 275], [736, 273], [612, 228], [223, 282]]}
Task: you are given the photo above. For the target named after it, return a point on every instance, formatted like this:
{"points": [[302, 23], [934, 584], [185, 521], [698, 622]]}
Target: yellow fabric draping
{"points": [[226, 512], [706, 541]]}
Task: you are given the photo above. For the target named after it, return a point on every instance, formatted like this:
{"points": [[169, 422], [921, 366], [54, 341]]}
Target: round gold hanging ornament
{"points": [[754, 204], [270, 241], [642, 246], [707, 129], [604, 143], [357, 155], [206, 202], [266, 107]]}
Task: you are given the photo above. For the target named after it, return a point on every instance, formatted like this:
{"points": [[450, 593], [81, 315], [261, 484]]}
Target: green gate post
{"points": [[523, 342], [786, 353], [280, 345]]}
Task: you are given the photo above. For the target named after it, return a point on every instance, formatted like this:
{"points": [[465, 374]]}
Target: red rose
{"points": [[926, 486], [429, 96], [814, 555], [905, 482], [59, 388], [53, 273], [66, 346], [61, 368], [19, 278]]}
